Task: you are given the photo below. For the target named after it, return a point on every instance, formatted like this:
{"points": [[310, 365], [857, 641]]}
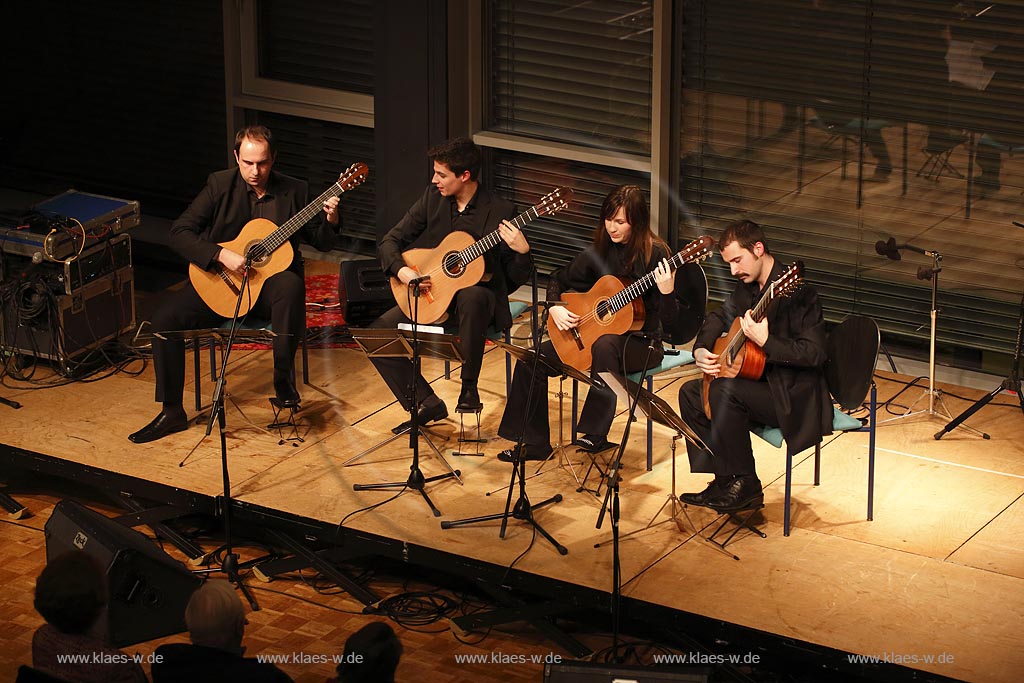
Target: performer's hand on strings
{"points": [[231, 260], [563, 318], [756, 332], [513, 237], [707, 361], [665, 277], [407, 275], [331, 210]]}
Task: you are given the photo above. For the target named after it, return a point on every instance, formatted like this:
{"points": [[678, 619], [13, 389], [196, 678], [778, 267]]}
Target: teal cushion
{"points": [[841, 422], [517, 308], [667, 363]]}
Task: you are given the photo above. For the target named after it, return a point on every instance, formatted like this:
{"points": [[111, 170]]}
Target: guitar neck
{"points": [[639, 287], [491, 239], [292, 225], [757, 313]]}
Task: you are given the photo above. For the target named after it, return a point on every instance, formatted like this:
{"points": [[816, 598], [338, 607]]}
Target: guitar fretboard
{"points": [[489, 241], [275, 239], [759, 311], [639, 287]]}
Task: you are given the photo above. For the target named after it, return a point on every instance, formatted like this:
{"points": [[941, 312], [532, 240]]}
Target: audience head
{"points": [[371, 655], [71, 592], [215, 617]]}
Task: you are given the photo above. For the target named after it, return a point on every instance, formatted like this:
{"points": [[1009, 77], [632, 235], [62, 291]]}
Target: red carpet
{"points": [[325, 326]]}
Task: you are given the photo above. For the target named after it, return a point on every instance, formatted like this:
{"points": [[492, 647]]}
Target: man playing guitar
{"points": [[218, 214], [456, 201], [790, 394]]}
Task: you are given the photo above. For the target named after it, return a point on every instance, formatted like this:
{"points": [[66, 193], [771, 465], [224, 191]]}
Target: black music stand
{"points": [[661, 412], [523, 509], [412, 344], [555, 368]]}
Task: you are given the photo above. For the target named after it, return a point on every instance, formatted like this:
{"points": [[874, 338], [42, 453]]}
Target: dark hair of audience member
{"points": [[371, 655], [71, 592]]}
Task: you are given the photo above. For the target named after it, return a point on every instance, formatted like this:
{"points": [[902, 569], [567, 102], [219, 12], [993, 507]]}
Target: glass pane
{"points": [[318, 43], [577, 73]]}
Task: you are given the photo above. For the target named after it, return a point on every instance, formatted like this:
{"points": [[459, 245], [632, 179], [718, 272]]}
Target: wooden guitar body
{"points": [[447, 274], [747, 363], [219, 287], [574, 346]]}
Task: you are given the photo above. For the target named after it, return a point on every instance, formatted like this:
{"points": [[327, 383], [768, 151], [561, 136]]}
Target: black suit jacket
{"points": [[429, 221], [795, 354], [221, 210]]}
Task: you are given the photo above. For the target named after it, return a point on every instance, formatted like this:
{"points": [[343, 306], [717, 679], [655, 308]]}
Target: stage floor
{"points": [[935, 582]]}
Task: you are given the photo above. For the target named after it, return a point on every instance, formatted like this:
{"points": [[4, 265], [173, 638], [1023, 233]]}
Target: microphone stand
{"points": [[612, 495], [523, 510], [229, 564], [1011, 383]]}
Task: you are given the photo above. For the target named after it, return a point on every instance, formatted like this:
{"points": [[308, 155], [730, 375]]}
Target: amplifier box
{"points": [[364, 292], [93, 211], [62, 326]]}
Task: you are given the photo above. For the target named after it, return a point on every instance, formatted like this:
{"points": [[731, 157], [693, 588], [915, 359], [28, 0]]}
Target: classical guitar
{"points": [[455, 263], [740, 357], [612, 307], [268, 247]]}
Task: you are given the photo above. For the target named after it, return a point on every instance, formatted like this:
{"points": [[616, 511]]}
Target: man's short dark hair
{"points": [[256, 132], [746, 233], [371, 655], [458, 154], [71, 592]]}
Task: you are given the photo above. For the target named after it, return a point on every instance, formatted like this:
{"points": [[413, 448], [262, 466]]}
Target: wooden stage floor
{"points": [[935, 582]]}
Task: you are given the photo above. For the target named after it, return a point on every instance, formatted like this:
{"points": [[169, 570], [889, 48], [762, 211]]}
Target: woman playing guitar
{"points": [[623, 246]]}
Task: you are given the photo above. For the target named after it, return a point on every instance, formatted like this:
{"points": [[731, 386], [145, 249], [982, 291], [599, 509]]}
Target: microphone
{"points": [[416, 281], [888, 248]]}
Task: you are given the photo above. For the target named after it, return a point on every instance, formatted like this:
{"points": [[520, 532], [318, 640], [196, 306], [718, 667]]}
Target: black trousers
{"points": [[472, 309], [610, 353], [736, 405], [282, 299]]}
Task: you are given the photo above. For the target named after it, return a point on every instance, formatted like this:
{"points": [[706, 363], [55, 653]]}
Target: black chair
{"points": [[849, 371], [938, 148]]}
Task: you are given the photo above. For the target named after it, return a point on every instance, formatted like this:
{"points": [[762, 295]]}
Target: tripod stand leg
{"points": [[971, 410]]}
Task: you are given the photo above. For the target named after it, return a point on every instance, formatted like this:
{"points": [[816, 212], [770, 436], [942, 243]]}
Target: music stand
{"points": [[414, 345], [558, 369], [661, 412]]}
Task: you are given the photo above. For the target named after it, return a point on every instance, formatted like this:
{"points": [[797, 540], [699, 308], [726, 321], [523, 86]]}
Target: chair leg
{"points": [[305, 361], [650, 429], [817, 464], [787, 496], [508, 364], [197, 377], [871, 453], [575, 409]]}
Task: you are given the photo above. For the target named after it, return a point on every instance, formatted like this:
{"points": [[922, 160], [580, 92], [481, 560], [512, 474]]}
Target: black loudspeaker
{"points": [[364, 292], [591, 672], [149, 589]]}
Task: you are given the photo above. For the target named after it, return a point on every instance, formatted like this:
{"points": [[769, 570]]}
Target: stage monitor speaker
{"points": [[592, 672], [149, 589], [364, 292]]}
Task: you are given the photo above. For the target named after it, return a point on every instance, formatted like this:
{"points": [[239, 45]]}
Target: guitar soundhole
{"points": [[453, 264], [258, 252], [603, 315]]}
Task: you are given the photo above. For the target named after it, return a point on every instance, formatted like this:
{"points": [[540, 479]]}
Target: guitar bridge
{"points": [[576, 337]]}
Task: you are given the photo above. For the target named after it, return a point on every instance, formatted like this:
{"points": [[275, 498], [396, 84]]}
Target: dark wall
{"points": [[117, 97]]}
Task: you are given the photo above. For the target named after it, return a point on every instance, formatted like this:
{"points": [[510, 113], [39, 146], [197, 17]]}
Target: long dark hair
{"points": [[641, 239]]}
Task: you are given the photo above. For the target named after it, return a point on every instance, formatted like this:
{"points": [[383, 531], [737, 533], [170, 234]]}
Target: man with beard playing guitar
{"points": [[790, 393]]}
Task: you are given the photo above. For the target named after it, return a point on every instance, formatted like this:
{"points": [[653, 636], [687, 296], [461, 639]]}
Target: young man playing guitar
{"points": [[623, 246], [790, 393], [229, 201], [455, 201]]}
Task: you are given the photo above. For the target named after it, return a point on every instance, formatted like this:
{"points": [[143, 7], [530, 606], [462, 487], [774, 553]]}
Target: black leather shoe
{"points": [[469, 400], [701, 499], [594, 443], [438, 411], [741, 493], [529, 453], [287, 395], [162, 425]]}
